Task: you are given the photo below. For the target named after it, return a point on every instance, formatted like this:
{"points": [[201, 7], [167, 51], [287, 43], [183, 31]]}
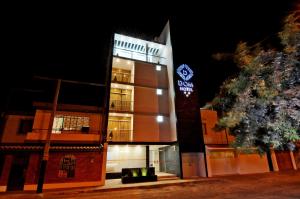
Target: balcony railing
{"points": [[84, 130], [121, 77], [118, 105], [121, 135], [64, 135], [139, 56]]}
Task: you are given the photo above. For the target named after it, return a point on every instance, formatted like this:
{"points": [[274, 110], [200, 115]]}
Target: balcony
{"points": [[60, 135], [119, 77], [121, 106], [121, 135]]}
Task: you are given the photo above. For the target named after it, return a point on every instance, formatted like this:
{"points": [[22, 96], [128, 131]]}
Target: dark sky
{"points": [[72, 40]]}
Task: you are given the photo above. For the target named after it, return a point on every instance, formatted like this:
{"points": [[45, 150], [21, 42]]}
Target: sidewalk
{"points": [[111, 185], [271, 185]]}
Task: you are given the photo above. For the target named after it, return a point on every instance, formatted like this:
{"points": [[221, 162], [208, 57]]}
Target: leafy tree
{"points": [[261, 105]]}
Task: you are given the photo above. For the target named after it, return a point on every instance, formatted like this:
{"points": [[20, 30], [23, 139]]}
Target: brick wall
{"points": [[88, 167]]}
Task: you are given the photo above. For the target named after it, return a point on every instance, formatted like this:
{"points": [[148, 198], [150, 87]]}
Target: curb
{"points": [[131, 187]]}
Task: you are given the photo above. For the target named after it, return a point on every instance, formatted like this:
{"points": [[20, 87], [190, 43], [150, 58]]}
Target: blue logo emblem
{"points": [[185, 72]]}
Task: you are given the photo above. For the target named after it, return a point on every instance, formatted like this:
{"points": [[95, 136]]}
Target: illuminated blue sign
{"points": [[186, 74]]}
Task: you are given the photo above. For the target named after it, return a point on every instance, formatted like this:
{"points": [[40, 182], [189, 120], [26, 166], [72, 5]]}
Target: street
{"points": [[274, 185]]}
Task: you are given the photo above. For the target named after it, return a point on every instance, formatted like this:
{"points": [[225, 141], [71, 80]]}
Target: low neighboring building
{"points": [[75, 148], [221, 159]]}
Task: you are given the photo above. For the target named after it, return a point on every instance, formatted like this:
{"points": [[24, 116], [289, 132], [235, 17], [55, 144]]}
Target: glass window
{"points": [[69, 123]]}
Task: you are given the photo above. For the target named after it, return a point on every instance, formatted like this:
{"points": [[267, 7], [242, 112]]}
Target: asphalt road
{"points": [[278, 185]]}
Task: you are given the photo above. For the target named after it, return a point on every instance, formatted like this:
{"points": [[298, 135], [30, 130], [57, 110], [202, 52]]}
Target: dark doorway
{"points": [[17, 173]]}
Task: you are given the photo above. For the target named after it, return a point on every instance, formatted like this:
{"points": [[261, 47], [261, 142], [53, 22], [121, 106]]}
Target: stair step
{"points": [[160, 178]]}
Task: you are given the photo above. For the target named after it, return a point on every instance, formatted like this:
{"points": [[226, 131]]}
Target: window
{"points": [[67, 166], [159, 91], [158, 67], [121, 75], [159, 119], [25, 126], [120, 99], [119, 128], [69, 123]]}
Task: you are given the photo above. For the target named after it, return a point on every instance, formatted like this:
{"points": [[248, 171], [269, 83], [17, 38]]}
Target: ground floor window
{"points": [[164, 158]]}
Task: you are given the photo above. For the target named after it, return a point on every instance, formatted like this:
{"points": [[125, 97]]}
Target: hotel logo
{"points": [[186, 74]]}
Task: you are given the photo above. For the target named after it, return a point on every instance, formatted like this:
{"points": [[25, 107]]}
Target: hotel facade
{"points": [[151, 118]]}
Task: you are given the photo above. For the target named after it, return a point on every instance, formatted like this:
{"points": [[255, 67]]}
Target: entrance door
{"points": [[162, 161], [17, 173]]}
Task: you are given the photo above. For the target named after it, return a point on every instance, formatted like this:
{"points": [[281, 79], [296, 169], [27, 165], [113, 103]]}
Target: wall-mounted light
{"points": [[158, 67], [159, 118], [159, 91]]}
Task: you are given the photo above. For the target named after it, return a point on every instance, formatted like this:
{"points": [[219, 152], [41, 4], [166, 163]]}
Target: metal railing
{"points": [[120, 135], [139, 56], [121, 77], [119, 105], [67, 131]]}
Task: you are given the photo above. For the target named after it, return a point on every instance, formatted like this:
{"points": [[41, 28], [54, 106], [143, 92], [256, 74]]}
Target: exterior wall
{"points": [[11, 128], [147, 101], [32, 173], [89, 170], [5, 172], [286, 160], [226, 161], [147, 129], [297, 158], [193, 165], [41, 125], [209, 119], [147, 75]]}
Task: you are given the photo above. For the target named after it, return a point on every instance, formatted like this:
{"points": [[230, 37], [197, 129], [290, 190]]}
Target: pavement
{"points": [[275, 185]]}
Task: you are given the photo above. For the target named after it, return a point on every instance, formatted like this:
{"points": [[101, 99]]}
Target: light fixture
{"points": [[158, 67], [159, 91], [128, 62], [118, 60], [159, 118]]}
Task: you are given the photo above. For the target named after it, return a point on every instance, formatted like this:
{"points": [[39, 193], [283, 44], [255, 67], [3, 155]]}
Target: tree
{"points": [[261, 105]]}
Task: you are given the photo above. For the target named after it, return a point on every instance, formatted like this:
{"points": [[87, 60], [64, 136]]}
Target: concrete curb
{"points": [[142, 186]]}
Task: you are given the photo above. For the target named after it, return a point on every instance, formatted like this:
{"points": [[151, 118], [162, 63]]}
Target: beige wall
{"points": [[147, 129], [147, 75], [11, 128], [41, 124], [147, 101]]}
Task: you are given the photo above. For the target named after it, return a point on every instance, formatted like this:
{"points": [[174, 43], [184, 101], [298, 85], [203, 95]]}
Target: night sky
{"points": [[71, 41]]}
